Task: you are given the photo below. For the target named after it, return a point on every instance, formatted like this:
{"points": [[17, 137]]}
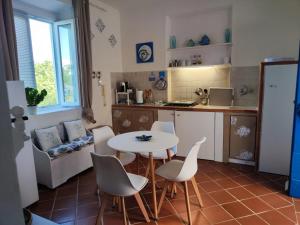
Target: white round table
{"points": [[160, 141], [127, 142]]}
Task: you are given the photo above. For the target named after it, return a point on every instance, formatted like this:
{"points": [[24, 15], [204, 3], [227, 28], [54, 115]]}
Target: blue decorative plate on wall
{"points": [[144, 52]]}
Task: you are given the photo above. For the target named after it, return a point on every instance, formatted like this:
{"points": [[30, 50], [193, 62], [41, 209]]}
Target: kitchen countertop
{"points": [[201, 108]]}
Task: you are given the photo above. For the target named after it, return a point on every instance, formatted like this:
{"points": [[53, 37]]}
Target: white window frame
{"points": [[74, 68], [56, 58]]}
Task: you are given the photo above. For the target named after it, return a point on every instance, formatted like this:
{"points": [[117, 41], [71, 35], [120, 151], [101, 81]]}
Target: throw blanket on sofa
{"points": [[75, 145]]}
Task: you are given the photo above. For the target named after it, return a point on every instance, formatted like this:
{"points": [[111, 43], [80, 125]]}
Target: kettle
{"points": [[139, 97]]}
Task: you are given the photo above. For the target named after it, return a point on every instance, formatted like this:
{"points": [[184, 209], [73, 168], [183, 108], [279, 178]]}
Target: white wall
{"points": [[265, 28], [106, 58], [142, 26], [259, 29], [53, 118]]}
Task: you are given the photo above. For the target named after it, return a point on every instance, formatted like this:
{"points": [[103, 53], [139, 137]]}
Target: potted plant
{"points": [[34, 97]]}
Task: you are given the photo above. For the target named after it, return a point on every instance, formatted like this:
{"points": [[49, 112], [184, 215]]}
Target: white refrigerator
{"points": [[279, 88], [24, 159]]}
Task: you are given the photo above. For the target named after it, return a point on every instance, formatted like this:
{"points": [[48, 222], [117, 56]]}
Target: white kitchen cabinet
{"points": [[166, 115], [219, 136], [191, 127]]}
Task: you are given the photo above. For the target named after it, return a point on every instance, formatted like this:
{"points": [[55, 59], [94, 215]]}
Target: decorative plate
{"points": [[144, 137], [144, 52]]}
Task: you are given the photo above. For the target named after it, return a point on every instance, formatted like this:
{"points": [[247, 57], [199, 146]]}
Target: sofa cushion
{"points": [[61, 131], [48, 138], [75, 129], [82, 141], [59, 150], [75, 145]]}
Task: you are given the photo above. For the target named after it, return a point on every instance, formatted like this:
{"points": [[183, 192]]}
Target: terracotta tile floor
{"points": [[232, 195]]}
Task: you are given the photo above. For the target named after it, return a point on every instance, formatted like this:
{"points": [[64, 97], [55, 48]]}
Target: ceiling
{"points": [[50, 5], [169, 6], [118, 4]]}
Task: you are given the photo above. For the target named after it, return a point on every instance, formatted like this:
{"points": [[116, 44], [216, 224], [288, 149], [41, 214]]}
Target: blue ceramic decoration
{"points": [[204, 40], [144, 52], [100, 25], [227, 35], [151, 77], [112, 40], [172, 42], [162, 74], [143, 137], [190, 43]]}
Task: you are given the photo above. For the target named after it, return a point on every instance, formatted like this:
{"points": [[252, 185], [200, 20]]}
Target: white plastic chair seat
{"points": [[101, 136], [138, 182], [182, 171], [158, 155], [170, 170], [127, 158]]}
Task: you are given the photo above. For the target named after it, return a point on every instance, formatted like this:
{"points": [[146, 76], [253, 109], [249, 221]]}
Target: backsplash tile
{"points": [[140, 81], [185, 82], [182, 83], [245, 76]]}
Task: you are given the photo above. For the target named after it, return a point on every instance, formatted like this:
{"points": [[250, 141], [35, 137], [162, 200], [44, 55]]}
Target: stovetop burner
{"points": [[180, 103]]}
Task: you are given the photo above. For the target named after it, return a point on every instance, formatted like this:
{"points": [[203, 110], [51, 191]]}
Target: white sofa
{"points": [[53, 172]]}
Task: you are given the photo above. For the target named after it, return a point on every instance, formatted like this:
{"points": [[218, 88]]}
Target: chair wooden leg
{"points": [[124, 211], [169, 154], [99, 220], [162, 197], [196, 189], [187, 202], [119, 204], [153, 183], [115, 201], [142, 206], [173, 190], [147, 170]]}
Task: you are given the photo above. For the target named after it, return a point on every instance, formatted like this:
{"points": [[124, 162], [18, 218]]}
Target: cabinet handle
{"points": [[178, 115]]}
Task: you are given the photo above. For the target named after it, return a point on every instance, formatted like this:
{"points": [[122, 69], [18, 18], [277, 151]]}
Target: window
{"points": [[47, 58], [44, 64]]}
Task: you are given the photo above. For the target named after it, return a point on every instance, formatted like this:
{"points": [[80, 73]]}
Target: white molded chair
{"points": [[101, 136], [161, 155], [112, 179], [177, 171]]}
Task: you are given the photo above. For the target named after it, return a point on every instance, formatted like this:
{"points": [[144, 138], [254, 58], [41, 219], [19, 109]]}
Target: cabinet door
{"points": [[122, 121], [242, 137], [142, 119], [166, 115], [127, 120], [190, 128]]}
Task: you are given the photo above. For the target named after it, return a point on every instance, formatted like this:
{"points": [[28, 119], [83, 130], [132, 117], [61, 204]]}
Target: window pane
{"points": [[67, 65], [25, 60], [41, 40]]}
